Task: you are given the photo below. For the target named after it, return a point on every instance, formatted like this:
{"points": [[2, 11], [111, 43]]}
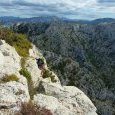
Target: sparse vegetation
{"points": [[32, 109], [19, 41], [22, 46], [27, 75], [48, 74], [23, 62], [8, 78]]}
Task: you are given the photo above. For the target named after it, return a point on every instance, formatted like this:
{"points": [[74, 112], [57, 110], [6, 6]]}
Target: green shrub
{"points": [[25, 73], [48, 74], [8, 78], [19, 41]]}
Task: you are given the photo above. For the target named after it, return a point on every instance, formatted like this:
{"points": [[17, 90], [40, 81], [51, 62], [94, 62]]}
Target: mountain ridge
{"points": [[7, 20]]}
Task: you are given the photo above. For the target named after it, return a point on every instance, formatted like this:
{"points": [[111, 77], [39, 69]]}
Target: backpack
{"points": [[40, 62]]}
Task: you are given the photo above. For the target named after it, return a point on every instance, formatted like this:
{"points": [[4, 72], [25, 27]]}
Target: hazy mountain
{"points": [[8, 20], [11, 20], [102, 20]]}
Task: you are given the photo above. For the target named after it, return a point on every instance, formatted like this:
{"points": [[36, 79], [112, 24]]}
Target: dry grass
{"points": [[31, 109]]}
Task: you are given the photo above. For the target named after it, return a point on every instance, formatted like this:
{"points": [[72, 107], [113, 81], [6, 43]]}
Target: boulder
{"points": [[11, 59], [12, 95], [70, 97], [35, 72], [51, 103]]}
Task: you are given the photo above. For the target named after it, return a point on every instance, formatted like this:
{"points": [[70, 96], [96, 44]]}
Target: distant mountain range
{"points": [[11, 20], [8, 20]]}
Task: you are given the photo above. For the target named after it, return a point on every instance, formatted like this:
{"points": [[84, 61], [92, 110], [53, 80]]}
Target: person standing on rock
{"points": [[40, 62], [41, 65]]}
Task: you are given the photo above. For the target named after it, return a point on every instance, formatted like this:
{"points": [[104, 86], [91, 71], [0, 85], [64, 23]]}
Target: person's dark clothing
{"points": [[40, 63]]}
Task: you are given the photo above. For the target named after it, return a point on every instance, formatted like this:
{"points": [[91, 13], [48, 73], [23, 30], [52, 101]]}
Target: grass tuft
{"points": [[8, 78]]}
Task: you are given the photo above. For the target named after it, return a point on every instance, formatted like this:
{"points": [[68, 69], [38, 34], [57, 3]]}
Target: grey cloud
{"points": [[40, 7], [107, 1], [6, 4], [25, 8]]}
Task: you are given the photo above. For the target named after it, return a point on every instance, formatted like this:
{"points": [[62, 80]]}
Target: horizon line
{"points": [[56, 17]]}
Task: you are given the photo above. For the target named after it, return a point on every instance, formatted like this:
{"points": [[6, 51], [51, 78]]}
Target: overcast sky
{"points": [[75, 9]]}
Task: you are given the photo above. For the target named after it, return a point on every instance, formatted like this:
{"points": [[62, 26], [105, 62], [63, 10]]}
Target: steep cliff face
{"points": [[19, 77], [13, 86]]}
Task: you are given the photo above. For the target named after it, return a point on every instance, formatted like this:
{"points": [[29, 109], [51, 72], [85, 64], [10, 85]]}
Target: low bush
{"points": [[32, 109], [19, 41], [25, 73], [8, 78], [48, 74]]}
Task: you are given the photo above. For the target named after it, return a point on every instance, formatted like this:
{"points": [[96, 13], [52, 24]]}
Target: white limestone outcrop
{"points": [[70, 97], [60, 100], [10, 59]]}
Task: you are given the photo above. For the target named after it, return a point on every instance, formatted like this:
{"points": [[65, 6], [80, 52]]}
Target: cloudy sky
{"points": [[75, 9]]}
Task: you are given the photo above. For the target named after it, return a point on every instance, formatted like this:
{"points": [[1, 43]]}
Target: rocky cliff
{"points": [[21, 81], [81, 55]]}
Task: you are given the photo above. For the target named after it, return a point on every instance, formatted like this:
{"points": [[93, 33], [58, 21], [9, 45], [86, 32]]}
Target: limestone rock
{"points": [[35, 53], [32, 67], [52, 104], [11, 96], [12, 93], [11, 59], [1, 60], [2, 42], [70, 97], [61, 100]]}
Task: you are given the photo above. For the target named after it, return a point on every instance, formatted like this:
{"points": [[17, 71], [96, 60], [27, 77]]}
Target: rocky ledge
{"points": [[16, 88]]}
